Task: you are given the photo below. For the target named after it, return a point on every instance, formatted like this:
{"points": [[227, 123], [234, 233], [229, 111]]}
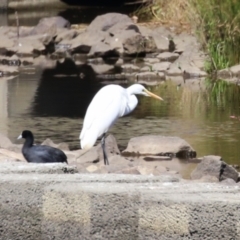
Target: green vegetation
{"points": [[216, 22]]}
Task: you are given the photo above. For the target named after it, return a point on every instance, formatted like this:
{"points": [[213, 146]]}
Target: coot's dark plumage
{"points": [[40, 153]]}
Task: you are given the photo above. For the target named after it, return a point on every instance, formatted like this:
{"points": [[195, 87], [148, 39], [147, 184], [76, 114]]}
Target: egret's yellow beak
{"points": [[153, 95]]}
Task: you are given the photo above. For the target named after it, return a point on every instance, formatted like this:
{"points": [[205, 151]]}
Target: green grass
{"points": [[219, 22], [216, 22]]}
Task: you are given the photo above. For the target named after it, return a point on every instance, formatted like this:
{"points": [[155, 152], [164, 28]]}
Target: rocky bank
{"points": [[113, 45], [145, 155]]}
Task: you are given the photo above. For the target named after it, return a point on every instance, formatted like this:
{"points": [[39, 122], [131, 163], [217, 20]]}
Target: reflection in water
{"points": [[53, 105], [65, 91]]}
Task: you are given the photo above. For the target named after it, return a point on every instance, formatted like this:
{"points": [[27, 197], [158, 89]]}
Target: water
{"points": [[53, 105]]}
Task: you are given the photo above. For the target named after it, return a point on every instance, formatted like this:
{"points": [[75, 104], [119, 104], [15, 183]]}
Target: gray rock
{"points": [[106, 21], [95, 154], [8, 155], [159, 35], [208, 178], [174, 71], [129, 170], [147, 77], [6, 71], [84, 41], [32, 45], [101, 68], [150, 76], [6, 44], [158, 145], [235, 70], [64, 34], [129, 68], [228, 182], [151, 60], [62, 146], [49, 25], [161, 67], [214, 166], [146, 69], [168, 56]]}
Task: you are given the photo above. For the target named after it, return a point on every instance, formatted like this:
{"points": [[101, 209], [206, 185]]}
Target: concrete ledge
{"points": [[92, 206]]}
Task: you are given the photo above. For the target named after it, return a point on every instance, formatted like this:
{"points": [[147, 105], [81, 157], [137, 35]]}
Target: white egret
{"points": [[110, 103]]}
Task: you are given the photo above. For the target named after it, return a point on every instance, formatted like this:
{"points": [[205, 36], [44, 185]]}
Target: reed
{"points": [[216, 22]]}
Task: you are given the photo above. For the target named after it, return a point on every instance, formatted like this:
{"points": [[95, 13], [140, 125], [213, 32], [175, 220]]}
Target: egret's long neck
{"points": [[132, 101], [130, 90]]}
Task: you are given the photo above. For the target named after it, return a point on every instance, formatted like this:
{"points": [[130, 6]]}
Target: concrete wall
{"points": [[78, 206]]}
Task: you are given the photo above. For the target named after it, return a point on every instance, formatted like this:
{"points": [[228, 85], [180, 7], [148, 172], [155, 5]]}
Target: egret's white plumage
{"points": [[110, 103]]}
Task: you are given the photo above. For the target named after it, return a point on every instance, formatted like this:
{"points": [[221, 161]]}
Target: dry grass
{"points": [[178, 14]]}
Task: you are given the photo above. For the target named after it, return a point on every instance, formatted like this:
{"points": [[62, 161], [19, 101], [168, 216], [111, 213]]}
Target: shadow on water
{"points": [[65, 91]]}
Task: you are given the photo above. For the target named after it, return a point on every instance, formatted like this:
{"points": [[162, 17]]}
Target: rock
{"points": [[5, 141], [168, 56], [161, 67], [106, 21], [95, 154], [192, 58], [224, 73], [159, 145], [159, 170], [174, 71], [32, 45], [62, 146], [151, 60], [113, 34], [130, 170], [137, 44], [63, 34], [92, 168], [6, 44], [6, 154], [86, 40], [145, 69], [159, 35], [49, 25], [6, 71], [143, 170], [208, 178], [228, 182], [149, 78], [235, 70], [130, 68], [214, 166], [101, 68]]}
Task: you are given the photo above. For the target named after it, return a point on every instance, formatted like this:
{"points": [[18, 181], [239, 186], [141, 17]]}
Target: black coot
{"points": [[40, 153]]}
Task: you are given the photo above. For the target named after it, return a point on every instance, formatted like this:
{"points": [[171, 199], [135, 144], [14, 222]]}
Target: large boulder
{"points": [[112, 34], [214, 166], [159, 145]]}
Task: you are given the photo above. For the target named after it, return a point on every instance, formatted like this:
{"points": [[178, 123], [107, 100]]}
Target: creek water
{"points": [[53, 105]]}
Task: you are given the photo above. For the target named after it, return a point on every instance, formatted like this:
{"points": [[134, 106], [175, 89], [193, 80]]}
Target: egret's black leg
{"points": [[104, 150]]}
